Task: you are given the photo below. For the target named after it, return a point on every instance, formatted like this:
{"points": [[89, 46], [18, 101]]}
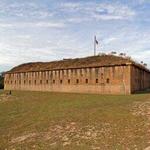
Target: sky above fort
{"points": [[46, 30]]}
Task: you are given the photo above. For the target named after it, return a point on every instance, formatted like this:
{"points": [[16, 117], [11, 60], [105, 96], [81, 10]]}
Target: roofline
{"points": [[141, 67], [125, 64], [9, 72]]}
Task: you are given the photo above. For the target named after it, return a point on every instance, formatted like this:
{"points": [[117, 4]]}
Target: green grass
{"points": [[109, 118]]}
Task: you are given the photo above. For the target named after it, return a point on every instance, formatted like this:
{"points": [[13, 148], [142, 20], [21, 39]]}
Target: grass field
{"points": [[42, 120]]}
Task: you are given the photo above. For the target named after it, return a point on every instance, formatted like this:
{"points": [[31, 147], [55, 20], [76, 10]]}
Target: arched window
{"points": [[53, 81]]}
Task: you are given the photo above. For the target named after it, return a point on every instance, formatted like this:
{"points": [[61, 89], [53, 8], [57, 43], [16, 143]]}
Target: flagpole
{"points": [[94, 45]]}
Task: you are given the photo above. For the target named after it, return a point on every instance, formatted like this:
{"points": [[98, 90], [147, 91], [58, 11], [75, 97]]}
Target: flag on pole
{"points": [[95, 43]]}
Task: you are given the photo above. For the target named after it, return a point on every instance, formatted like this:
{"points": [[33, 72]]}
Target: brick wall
{"points": [[140, 79], [102, 80]]}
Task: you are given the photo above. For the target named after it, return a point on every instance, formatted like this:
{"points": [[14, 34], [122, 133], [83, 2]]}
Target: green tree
{"points": [[1, 81]]}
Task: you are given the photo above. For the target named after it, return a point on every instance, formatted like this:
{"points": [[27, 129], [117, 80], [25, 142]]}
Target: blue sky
{"points": [[45, 30]]}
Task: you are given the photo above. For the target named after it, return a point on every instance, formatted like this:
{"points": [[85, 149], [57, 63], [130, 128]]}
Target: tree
{"points": [[1, 81]]}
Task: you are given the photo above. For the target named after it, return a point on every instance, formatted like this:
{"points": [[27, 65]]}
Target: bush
{"points": [[1, 82]]}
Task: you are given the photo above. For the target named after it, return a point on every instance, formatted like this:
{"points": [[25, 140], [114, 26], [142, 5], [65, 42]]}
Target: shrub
{"points": [[1, 82]]}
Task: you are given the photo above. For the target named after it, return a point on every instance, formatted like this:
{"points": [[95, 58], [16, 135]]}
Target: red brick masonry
{"points": [[105, 74]]}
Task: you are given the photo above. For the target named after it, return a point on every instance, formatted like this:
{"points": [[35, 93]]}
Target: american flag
{"points": [[96, 41]]}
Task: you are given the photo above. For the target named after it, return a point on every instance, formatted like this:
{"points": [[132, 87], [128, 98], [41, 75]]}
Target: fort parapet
{"points": [[106, 74]]}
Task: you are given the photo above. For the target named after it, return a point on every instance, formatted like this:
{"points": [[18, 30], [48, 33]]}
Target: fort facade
{"points": [[106, 74]]}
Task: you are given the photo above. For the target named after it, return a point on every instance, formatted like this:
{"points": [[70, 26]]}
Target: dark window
{"points": [[68, 81], [77, 81], [19, 81], [102, 75], [35, 82], [24, 82], [29, 82], [40, 81], [107, 81], [86, 81], [61, 81], [15, 81], [46, 81], [53, 81], [96, 80], [113, 70], [11, 82]]}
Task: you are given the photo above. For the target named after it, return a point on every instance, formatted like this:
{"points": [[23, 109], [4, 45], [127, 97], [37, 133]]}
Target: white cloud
{"points": [[35, 31], [24, 9], [18, 49], [109, 40], [98, 11], [45, 24]]}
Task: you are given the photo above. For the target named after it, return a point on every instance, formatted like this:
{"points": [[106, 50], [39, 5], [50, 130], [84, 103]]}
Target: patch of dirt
{"points": [[23, 138], [65, 135], [147, 148], [6, 97], [73, 133], [98, 136], [142, 109]]}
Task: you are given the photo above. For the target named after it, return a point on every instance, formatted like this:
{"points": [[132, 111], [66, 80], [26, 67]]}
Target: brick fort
{"points": [[104, 74]]}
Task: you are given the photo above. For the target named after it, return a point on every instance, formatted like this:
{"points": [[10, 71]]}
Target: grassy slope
{"points": [[37, 112]]}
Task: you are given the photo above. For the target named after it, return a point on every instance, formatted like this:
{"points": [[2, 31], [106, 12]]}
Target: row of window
{"points": [[61, 81]]}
